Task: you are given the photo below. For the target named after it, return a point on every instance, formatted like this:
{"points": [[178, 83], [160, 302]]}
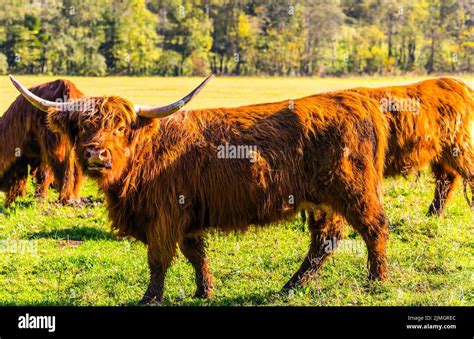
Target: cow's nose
{"points": [[94, 154]]}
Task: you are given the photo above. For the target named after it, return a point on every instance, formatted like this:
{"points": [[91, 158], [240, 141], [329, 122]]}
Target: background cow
{"points": [[26, 141], [166, 184], [430, 123]]}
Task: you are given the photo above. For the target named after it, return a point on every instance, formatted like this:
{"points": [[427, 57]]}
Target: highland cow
{"points": [[27, 141], [167, 180], [430, 123]]}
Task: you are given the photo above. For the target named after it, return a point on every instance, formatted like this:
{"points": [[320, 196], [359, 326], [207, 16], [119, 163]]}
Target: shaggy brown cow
{"points": [[169, 179], [431, 123], [26, 140]]}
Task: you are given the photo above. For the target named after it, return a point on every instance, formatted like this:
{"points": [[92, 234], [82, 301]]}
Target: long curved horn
{"points": [[35, 100], [164, 111]]}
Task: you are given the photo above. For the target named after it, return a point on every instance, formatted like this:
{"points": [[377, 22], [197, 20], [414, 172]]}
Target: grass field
{"points": [[54, 255]]}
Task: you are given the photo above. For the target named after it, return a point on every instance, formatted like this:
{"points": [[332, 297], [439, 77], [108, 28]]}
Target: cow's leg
{"points": [[60, 182], [303, 216], [326, 231], [44, 178], [159, 262], [369, 219], [446, 181], [194, 249], [359, 198], [16, 188], [463, 163], [471, 186], [17, 178], [311, 216], [66, 195], [78, 180], [61, 163]]}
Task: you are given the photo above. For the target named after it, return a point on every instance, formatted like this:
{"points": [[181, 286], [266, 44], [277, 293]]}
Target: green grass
{"points": [[54, 255]]}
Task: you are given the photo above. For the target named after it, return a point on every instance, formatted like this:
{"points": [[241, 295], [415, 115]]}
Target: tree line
{"points": [[236, 37]]}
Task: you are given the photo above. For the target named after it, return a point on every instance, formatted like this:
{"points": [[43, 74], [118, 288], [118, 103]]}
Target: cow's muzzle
{"points": [[97, 159]]}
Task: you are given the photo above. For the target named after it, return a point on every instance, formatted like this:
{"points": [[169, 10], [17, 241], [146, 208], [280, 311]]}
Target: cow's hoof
{"points": [[291, 285], [433, 212], [203, 294], [149, 301], [67, 202], [380, 276]]}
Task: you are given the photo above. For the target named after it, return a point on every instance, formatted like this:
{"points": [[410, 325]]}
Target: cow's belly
{"points": [[409, 159]]}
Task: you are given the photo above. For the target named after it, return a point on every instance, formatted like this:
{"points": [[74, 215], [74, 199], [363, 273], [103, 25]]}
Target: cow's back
{"points": [[425, 119]]}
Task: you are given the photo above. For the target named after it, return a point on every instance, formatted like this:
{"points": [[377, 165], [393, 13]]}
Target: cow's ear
{"points": [[63, 122], [146, 126]]}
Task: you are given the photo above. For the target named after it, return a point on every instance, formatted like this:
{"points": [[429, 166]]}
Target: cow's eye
{"points": [[121, 129], [82, 130]]}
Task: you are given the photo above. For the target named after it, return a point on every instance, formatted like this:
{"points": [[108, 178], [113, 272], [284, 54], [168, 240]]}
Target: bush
{"points": [[168, 64], [196, 64], [97, 67]]}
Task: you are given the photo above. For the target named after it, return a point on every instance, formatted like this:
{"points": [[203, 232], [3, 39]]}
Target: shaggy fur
{"points": [[167, 184], [435, 127], [440, 133], [26, 141]]}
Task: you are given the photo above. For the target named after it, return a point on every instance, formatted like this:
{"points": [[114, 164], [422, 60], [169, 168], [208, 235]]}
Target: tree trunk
{"points": [[411, 54], [390, 33], [430, 63], [221, 61]]}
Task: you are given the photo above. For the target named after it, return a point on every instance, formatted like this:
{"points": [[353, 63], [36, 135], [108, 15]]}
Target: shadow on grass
{"points": [[245, 299], [91, 200], [22, 204], [16, 205], [74, 233]]}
